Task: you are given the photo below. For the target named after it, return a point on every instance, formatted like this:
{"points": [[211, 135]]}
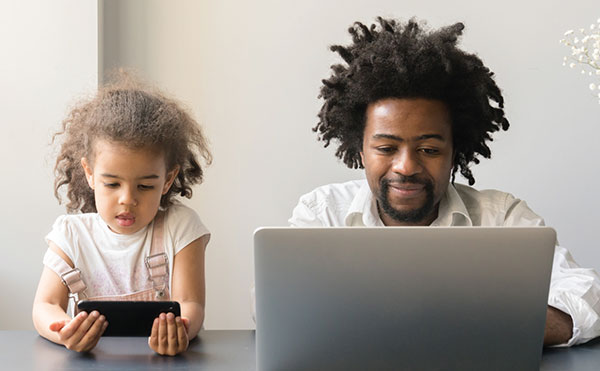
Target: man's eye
{"points": [[145, 187], [385, 149], [430, 151]]}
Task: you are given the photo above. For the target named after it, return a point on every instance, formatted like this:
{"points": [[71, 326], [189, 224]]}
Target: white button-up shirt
{"points": [[573, 290]]}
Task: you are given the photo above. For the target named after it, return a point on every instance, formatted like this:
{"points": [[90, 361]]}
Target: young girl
{"points": [[125, 154]]}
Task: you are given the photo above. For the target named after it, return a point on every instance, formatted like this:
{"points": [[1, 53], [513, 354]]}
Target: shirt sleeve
{"points": [[573, 290], [184, 226], [64, 237], [305, 213]]}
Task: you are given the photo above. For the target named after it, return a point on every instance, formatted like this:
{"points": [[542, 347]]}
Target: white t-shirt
{"points": [[113, 264], [573, 290]]}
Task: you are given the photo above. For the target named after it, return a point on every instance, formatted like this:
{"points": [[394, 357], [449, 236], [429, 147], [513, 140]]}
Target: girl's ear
{"points": [[171, 175], [89, 173]]}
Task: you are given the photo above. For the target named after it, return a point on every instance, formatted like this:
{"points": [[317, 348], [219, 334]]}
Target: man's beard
{"points": [[409, 216]]}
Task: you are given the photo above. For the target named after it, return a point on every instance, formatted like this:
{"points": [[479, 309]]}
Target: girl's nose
{"points": [[127, 197]]}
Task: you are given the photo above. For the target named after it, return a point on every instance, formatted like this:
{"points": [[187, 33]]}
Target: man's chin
{"points": [[407, 206], [407, 213]]}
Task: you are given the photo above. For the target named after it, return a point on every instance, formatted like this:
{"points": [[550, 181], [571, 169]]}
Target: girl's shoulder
{"points": [[181, 213], [76, 222], [71, 231], [184, 224]]}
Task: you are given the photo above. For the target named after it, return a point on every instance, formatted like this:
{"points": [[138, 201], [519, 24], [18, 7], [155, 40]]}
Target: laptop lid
{"points": [[454, 298]]}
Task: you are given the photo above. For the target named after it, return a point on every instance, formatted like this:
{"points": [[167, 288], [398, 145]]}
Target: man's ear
{"points": [[89, 172], [171, 175], [362, 157]]}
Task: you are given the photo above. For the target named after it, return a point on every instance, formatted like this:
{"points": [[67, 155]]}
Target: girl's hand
{"points": [[169, 334], [81, 333]]}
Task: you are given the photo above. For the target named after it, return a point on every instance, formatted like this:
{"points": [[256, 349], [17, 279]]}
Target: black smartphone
{"points": [[129, 318]]}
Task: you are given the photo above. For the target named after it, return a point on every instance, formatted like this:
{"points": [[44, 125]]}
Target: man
{"points": [[412, 109]]}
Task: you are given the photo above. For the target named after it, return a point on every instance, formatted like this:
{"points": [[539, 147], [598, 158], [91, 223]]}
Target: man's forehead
{"points": [[408, 119]]}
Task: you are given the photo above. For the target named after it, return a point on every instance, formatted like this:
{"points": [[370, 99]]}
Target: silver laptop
{"points": [[457, 298]]}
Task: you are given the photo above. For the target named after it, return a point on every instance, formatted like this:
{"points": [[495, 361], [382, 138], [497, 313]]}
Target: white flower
{"points": [[585, 52]]}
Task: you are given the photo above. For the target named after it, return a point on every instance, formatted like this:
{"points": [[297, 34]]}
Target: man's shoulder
{"points": [[338, 192], [326, 205], [481, 195], [494, 207]]}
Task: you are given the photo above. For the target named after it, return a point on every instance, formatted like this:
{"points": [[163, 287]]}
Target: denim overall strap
{"points": [[158, 261]]}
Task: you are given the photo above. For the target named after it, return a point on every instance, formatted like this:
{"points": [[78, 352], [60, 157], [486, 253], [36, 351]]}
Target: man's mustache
{"points": [[403, 179]]}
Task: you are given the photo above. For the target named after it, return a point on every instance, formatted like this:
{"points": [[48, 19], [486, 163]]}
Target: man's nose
{"points": [[407, 163]]}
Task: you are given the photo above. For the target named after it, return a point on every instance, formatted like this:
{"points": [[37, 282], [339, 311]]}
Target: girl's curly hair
{"points": [[395, 60], [126, 112]]}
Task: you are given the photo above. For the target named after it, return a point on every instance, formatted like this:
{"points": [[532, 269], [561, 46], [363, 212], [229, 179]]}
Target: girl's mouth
{"points": [[125, 219]]}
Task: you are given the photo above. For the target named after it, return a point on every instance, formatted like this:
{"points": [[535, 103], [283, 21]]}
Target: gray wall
{"points": [[49, 57], [250, 72]]}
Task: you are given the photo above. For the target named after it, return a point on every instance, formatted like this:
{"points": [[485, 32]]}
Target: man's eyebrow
{"points": [[400, 139], [151, 176]]}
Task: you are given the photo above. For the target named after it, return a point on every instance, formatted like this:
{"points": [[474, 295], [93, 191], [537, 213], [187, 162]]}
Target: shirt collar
{"points": [[363, 210], [452, 210]]}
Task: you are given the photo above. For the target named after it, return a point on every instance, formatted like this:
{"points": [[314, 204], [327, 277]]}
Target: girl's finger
{"points": [[92, 336], [162, 334], [153, 339], [93, 345], [71, 327], [83, 327], [171, 326], [182, 337], [186, 322]]}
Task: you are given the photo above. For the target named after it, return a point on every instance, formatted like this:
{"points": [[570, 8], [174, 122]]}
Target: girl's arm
{"points": [[170, 335], [188, 287], [51, 320]]}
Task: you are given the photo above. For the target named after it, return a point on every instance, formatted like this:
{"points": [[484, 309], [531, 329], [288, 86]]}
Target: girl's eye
{"points": [[144, 187], [111, 185]]}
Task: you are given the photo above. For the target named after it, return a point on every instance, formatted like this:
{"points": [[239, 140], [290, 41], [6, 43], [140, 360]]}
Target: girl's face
{"points": [[128, 184]]}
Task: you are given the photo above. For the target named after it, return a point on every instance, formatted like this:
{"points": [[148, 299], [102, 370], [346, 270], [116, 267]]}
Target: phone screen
{"points": [[129, 318]]}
